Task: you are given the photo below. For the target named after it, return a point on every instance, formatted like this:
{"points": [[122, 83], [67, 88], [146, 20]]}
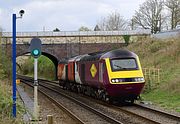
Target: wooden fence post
{"points": [[50, 119]]}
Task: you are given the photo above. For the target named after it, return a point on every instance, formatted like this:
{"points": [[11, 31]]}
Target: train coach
{"points": [[113, 75]]}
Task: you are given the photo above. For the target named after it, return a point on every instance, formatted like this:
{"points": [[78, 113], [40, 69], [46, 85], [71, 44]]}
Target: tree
{"points": [[97, 28], [112, 22], [174, 8], [56, 30], [149, 15], [83, 28]]}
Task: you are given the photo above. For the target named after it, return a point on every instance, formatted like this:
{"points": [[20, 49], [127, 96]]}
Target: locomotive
{"points": [[109, 75]]}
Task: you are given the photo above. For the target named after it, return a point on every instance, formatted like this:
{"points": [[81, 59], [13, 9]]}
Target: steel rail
{"points": [[125, 111], [175, 117], [102, 115], [69, 113], [169, 115]]}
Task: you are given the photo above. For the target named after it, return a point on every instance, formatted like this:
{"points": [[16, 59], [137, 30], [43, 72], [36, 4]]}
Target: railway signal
{"points": [[35, 49]]}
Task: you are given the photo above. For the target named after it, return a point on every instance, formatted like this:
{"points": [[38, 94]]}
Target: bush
{"points": [[46, 67]]}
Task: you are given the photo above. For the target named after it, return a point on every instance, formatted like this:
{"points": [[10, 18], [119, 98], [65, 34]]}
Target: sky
{"points": [[66, 15]]}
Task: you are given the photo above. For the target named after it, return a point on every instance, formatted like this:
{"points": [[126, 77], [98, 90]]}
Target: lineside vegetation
{"points": [[163, 55], [6, 93]]}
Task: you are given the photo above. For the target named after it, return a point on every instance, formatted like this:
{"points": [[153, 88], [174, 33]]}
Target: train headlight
{"points": [[113, 80], [139, 79], [142, 79], [117, 80]]}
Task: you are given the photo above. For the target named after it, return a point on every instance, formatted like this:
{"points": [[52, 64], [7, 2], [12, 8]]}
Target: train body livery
{"points": [[112, 75]]}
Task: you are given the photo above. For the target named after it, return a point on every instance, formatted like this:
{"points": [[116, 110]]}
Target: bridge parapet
{"points": [[78, 33]]}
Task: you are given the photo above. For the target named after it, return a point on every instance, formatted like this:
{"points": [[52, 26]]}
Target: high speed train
{"points": [[110, 75]]}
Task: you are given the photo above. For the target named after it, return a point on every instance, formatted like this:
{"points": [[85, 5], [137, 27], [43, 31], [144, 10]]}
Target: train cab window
{"points": [[123, 64]]}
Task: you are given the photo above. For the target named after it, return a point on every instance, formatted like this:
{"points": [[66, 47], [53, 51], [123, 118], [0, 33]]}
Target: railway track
{"points": [[160, 112], [93, 114], [135, 111]]}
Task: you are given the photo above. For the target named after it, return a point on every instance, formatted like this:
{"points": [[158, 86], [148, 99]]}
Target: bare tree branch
{"points": [[174, 8], [113, 21], [149, 15]]}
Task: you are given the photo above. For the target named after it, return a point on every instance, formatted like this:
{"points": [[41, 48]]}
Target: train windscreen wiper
{"points": [[120, 67]]}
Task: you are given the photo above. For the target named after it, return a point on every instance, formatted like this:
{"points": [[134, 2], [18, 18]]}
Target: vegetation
{"points": [[56, 30], [164, 55], [155, 15], [83, 28], [113, 22], [6, 93], [46, 68]]}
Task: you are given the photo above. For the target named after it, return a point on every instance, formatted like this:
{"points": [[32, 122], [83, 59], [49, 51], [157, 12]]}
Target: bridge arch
{"points": [[51, 57]]}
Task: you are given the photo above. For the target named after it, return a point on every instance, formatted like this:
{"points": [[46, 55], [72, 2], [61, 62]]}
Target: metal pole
{"points": [[14, 65], [35, 89]]}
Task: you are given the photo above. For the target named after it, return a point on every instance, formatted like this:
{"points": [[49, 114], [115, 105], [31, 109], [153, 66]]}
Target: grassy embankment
{"points": [[164, 55], [6, 93]]}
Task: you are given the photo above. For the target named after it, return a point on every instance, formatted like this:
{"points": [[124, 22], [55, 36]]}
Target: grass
{"points": [[164, 55], [6, 94], [6, 105], [163, 98]]}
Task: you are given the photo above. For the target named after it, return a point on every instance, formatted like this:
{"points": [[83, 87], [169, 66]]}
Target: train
{"points": [[114, 75]]}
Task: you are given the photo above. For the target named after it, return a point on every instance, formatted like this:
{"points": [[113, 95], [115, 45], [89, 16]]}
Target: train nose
{"points": [[128, 88]]}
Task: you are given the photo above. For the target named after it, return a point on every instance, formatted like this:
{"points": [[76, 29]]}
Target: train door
{"points": [[101, 71], [66, 71], [83, 72]]}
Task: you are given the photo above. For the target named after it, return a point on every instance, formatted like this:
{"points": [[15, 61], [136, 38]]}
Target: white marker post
{"points": [[35, 89], [35, 49]]}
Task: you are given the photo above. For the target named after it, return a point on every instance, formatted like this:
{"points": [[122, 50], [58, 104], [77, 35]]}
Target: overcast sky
{"points": [[67, 15]]}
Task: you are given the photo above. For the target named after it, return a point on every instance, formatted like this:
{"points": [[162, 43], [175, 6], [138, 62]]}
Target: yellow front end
{"points": [[125, 74], [124, 84]]}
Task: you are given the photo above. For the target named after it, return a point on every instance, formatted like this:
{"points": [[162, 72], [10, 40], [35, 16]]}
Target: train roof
{"points": [[118, 53], [63, 61]]}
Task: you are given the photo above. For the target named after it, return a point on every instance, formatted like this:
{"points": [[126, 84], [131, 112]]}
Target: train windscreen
{"points": [[123, 64]]}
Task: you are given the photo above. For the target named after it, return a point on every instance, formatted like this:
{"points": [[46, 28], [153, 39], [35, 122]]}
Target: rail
{"points": [[93, 110]]}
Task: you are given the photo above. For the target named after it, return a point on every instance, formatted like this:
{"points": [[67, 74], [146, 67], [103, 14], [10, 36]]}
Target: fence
{"points": [[152, 77]]}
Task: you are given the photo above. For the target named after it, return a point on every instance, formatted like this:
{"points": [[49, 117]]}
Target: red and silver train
{"points": [[112, 75]]}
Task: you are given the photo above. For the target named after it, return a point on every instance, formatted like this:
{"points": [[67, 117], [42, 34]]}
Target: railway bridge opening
{"points": [[48, 58]]}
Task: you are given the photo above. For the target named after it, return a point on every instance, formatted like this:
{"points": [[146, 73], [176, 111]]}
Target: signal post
{"points": [[35, 49]]}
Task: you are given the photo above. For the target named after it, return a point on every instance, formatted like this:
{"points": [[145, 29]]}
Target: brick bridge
{"points": [[58, 45]]}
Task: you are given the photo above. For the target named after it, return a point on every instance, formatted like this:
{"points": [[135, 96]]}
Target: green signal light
{"points": [[35, 52]]}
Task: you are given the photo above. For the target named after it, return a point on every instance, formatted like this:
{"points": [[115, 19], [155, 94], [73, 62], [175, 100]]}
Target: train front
{"points": [[125, 78]]}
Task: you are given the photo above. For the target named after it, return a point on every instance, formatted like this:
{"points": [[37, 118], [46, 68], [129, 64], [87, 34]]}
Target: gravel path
{"points": [[48, 108]]}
